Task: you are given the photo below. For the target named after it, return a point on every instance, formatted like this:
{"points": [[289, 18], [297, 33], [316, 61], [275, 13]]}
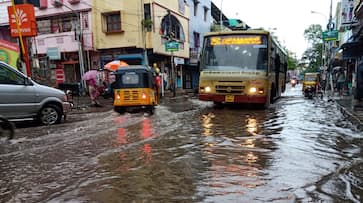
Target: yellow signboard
{"points": [[9, 52], [235, 40]]}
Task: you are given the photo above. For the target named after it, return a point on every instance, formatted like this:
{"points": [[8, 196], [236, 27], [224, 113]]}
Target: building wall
{"points": [[65, 41], [159, 11], [131, 17], [199, 25]]}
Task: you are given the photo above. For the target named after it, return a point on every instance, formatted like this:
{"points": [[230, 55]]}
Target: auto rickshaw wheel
{"points": [[151, 110], [119, 109]]}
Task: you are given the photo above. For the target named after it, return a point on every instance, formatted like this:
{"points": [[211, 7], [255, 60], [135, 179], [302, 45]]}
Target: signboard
{"points": [[9, 52], [53, 53], [178, 61], [26, 20], [235, 40], [60, 77], [171, 46], [330, 35], [347, 13]]}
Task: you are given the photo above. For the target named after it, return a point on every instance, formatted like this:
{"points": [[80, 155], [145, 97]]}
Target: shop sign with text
{"points": [[23, 20]]}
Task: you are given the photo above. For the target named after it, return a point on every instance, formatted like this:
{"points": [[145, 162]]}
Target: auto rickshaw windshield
{"points": [[133, 79], [310, 78]]}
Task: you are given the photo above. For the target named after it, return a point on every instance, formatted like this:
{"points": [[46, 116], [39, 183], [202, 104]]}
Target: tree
{"points": [[292, 62], [313, 34]]}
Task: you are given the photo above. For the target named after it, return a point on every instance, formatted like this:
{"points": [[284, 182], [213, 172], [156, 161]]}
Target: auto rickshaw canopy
{"points": [[134, 76]]}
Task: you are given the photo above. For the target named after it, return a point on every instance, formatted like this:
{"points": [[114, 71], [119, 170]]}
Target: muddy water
{"points": [[297, 151]]}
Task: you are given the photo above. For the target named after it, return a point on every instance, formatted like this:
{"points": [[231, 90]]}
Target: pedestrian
{"points": [[165, 79], [158, 87], [93, 92], [340, 81]]}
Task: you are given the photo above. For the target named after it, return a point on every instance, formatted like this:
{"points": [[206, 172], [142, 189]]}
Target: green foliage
{"points": [[147, 24], [291, 63], [313, 55]]}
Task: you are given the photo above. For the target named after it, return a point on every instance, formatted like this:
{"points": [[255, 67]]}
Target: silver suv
{"points": [[22, 99]]}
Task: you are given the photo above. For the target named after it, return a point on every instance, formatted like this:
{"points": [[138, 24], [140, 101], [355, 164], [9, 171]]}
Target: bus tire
{"points": [[268, 101], [218, 105], [272, 94]]}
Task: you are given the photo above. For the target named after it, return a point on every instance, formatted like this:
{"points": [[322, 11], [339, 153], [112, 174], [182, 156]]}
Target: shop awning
{"points": [[352, 49]]}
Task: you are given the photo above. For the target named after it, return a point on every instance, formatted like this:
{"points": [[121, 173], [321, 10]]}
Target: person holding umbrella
{"points": [[91, 78]]}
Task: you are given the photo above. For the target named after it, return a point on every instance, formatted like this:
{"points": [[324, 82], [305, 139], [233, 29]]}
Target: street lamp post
{"points": [[323, 50], [78, 32], [323, 43], [221, 16]]}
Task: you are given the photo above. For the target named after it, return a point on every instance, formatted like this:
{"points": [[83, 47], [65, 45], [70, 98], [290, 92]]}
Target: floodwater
{"points": [[299, 150]]}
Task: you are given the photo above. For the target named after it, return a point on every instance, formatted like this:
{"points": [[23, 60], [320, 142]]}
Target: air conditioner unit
{"points": [[57, 3], [74, 1], [43, 4]]}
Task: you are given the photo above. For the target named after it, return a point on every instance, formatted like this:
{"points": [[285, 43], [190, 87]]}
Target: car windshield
{"points": [[235, 53]]}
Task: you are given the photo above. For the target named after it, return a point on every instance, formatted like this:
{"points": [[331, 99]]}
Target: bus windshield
{"points": [[235, 53]]}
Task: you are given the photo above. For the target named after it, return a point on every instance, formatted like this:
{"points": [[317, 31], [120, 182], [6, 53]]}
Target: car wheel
{"points": [[50, 114]]}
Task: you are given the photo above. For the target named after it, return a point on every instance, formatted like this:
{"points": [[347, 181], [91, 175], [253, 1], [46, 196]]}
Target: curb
{"points": [[351, 116]]}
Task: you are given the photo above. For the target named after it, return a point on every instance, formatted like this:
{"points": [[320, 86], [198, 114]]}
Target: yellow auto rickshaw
{"points": [[134, 89], [310, 79], [310, 84]]}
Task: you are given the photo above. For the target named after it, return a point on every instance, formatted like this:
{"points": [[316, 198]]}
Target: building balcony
{"points": [[65, 41]]}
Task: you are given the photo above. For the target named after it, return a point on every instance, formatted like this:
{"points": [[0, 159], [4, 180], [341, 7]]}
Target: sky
{"points": [[288, 19]]}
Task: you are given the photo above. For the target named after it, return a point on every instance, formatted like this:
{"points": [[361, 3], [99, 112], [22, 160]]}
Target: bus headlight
{"points": [[207, 89], [253, 90]]}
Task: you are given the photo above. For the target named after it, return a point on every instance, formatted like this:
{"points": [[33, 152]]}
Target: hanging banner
{"points": [[347, 13], [25, 18], [9, 53]]}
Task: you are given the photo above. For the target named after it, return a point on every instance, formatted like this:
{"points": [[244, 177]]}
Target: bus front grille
{"points": [[223, 89], [131, 95]]}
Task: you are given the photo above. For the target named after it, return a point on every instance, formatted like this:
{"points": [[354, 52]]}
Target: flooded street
{"points": [[299, 150]]}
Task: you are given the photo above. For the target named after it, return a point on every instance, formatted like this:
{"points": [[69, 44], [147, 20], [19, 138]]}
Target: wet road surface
{"points": [[299, 150]]}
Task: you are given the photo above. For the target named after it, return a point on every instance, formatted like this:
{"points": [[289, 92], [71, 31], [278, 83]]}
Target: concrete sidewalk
{"points": [[352, 110], [82, 104]]}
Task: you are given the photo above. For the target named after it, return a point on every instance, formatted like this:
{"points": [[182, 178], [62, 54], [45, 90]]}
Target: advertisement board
{"points": [[9, 52]]}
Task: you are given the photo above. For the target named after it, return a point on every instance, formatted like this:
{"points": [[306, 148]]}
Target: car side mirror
{"points": [[28, 82]]}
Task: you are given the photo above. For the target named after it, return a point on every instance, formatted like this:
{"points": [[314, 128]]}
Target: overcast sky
{"points": [[289, 17]]}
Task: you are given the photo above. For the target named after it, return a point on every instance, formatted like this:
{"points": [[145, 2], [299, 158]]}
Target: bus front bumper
{"points": [[236, 98]]}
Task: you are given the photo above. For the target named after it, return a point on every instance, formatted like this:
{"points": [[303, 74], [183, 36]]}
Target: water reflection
{"points": [[237, 152]]}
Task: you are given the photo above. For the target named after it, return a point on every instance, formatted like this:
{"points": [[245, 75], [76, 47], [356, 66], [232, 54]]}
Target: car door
{"points": [[17, 94]]}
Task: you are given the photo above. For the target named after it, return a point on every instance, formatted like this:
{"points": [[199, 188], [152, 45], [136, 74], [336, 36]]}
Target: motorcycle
{"points": [[293, 82], [309, 92]]}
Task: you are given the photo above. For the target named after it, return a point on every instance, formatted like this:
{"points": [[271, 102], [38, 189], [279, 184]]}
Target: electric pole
{"points": [[170, 39]]}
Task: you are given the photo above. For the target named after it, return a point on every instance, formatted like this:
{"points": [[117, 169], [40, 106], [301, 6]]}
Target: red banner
{"points": [[25, 18]]}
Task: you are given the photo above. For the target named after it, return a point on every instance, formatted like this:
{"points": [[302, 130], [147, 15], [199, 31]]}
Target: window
{"points": [[147, 11], [10, 77], [205, 13], [196, 39], [112, 22], [57, 24], [175, 31], [195, 8]]}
